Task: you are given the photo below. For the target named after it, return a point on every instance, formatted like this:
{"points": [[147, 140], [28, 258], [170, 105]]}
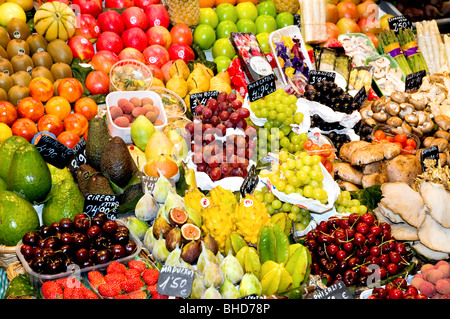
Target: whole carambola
{"points": [[273, 244]]}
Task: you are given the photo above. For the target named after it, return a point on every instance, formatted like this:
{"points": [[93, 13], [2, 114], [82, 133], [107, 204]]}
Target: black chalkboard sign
{"points": [[100, 203], [201, 98], [79, 156], [297, 20], [262, 87], [320, 76], [429, 153], [252, 296], [336, 291], [250, 181], [400, 22], [54, 152], [413, 81], [360, 97], [175, 281]]}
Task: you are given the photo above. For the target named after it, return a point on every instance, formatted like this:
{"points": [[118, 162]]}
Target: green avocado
{"points": [[7, 149], [96, 141]]}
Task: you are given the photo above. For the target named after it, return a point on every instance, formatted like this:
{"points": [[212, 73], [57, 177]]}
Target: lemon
{"points": [[9, 10], [26, 5], [5, 132]]}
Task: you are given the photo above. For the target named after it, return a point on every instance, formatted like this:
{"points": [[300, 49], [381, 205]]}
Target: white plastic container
{"points": [[125, 132], [289, 31]]}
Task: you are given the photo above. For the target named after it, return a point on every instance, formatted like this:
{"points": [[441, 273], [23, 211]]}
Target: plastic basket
{"points": [[130, 75]]}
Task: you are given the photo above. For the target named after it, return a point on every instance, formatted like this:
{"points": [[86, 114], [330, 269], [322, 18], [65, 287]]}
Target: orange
{"points": [[86, 106], [30, 107], [76, 123], [71, 89], [68, 138], [41, 88], [255, 2], [207, 3], [233, 2], [58, 106]]}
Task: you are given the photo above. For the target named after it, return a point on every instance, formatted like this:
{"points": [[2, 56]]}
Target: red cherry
{"points": [[394, 257], [375, 251], [400, 282], [359, 239], [375, 229], [368, 218], [392, 268], [395, 293], [421, 296], [362, 228], [341, 255]]}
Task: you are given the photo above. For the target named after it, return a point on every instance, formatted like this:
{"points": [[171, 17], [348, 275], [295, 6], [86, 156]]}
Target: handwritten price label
{"points": [[54, 152], [262, 87], [175, 281], [201, 99], [320, 76], [413, 81], [336, 291], [100, 203], [79, 157], [400, 22]]}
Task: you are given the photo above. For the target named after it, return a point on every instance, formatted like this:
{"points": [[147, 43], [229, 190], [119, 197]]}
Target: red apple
{"points": [[159, 35], [81, 47], [135, 17], [347, 9], [181, 51], [103, 60], [373, 38], [181, 33], [119, 4], [332, 30], [347, 25], [157, 15], [166, 70], [156, 55], [110, 41], [88, 26], [97, 82], [111, 20], [368, 9], [370, 25], [131, 54], [157, 72], [134, 38], [332, 13], [145, 3], [93, 7]]}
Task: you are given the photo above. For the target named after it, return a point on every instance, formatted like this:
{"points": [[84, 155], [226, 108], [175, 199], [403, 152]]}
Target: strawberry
{"points": [[138, 295], [116, 267], [68, 282], [52, 290], [88, 294], [155, 295], [132, 273], [109, 289], [133, 284], [150, 276], [115, 278], [120, 296], [77, 293], [96, 278], [139, 265], [68, 293]]}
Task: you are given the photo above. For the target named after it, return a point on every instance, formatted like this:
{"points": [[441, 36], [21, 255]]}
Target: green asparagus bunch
{"points": [[389, 40], [416, 61]]}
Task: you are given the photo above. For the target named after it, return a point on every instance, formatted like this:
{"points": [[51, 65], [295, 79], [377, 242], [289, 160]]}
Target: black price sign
{"points": [[79, 156], [250, 182], [297, 20], [320, 76], [252, 296], [429, 153], [101, 203], [262, 87], [175, 281], [337, 291], [54, 152], [148, 183], [360, 97], [201, 98], [400, 22], [413, 81]]}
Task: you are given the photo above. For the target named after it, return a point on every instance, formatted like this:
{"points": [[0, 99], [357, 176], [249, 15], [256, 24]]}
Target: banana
{"points": [[195, 199], [298, 264], [283, 221], [275, 278], [273, 244], [249, 260], [234, 243]]}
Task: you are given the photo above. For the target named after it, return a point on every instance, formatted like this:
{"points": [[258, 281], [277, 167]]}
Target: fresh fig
{"points": [[190, 252], [178, 216], [161, 226], [190, 232], [173, 238], [211, 243]]}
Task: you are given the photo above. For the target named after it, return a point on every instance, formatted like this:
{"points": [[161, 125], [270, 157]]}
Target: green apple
{"points": [[284, 19], [223, 47], [263, 40], [225, 28], [227, 11], [247, 10], [204, 36], [267, 7], [265, 23], [209, 16], [222, 63], [246, 26]]}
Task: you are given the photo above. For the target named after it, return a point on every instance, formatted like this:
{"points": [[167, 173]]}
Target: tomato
{"points": [[97, 82], [401, 138], [68, 138], [31, 108], [307, 144], [77, 123], [409, 149], [315, 148], [328, 166], [379, 135], [41, 88], [325, 150], [24, 127], [58, 106], [411, 142], [71, 89], [8, 113], [50, 123], [86, 106], [390, 139]]}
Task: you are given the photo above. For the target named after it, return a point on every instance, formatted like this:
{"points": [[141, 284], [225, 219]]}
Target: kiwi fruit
{"points": [[5, 82], [22, 62], [3, 95], [21, 78], [3, 53], [42, 71], [60, 51], [55, 87], [17, 46], [6, 66], [61, 70], [42, 58], [37, 43], [17, 29], [4, 38], [16, 93]]}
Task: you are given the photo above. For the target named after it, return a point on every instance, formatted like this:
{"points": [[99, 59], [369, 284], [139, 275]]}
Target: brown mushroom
{"points": [[443, 134], [394, 121], [406, 127], [418, 106], [412, 119], [377, 106], [399, 97], [405, 108], [348, 173], [374, 179], [441, 143], [427, 126], [392, 108], [443, 121], [347, 186], [391, 150], [380, 117], [427, 141], [373, 168], [403, 168], [347, 149], [367, 154]]}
